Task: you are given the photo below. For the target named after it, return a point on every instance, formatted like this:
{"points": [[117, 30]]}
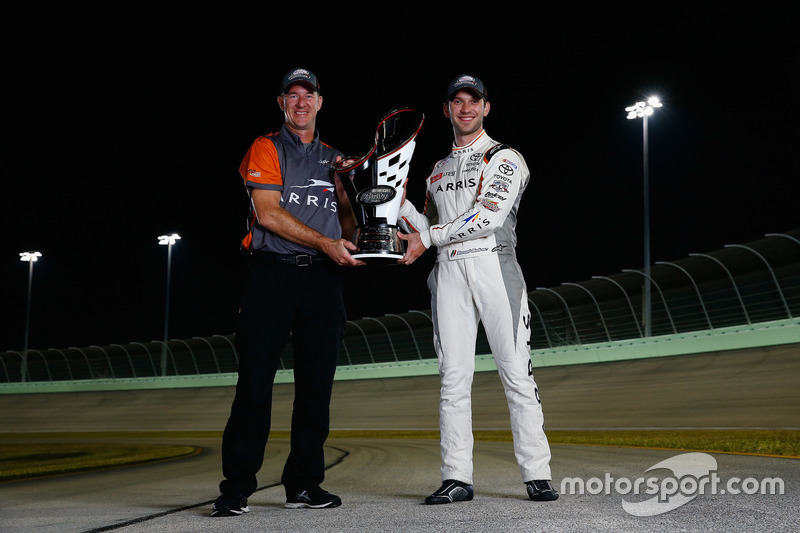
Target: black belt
{"points": [[291, 259]]}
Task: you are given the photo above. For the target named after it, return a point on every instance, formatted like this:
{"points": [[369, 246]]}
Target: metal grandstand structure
{"points": [[747, 283]]}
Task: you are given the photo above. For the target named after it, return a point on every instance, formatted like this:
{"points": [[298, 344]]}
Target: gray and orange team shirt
{"points": [[305, 176]]}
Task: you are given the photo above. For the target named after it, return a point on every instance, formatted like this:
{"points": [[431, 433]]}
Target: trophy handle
{"points": [[350, 165], [398, 128]]}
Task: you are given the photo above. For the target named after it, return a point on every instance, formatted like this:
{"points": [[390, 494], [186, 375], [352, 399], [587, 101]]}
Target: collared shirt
{"points": [[304, 175]]}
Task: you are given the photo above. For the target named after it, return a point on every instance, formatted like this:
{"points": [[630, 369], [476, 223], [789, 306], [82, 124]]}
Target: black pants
{"points": [[278, 299]]}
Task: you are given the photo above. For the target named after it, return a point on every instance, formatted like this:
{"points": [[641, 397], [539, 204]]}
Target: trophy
{"points": [[374, 185]]}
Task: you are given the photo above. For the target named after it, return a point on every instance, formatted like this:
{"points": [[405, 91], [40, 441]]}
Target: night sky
{"points": [[116, 136]]}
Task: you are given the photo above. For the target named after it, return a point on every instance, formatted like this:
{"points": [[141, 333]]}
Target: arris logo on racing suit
{"points": [[470, 218], [477, 225], [454, 186]]}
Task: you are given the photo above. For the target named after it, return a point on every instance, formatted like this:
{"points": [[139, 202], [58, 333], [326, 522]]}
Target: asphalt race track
{"points": [[382, 482]]}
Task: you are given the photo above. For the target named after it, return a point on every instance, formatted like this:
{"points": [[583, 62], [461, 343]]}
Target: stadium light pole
{"points": [[643, 110], [169, 241], [30, 258]]}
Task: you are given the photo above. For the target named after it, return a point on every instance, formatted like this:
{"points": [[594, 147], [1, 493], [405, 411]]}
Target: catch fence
{"points": [[738, 284]]}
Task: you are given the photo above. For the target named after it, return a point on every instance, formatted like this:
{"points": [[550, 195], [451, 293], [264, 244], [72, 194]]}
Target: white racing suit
{"points": [[470, 215]]}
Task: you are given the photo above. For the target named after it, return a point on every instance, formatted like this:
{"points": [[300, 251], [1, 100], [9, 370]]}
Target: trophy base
{"points": [[376, 258], [379, 245]]}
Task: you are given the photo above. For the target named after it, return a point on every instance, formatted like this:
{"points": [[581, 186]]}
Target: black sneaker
{"points": [[230, 505], [313, 498], [541, 490], [451, 491]]}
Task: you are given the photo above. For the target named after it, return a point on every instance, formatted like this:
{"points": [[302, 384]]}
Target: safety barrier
{"points": [[740, 284]]}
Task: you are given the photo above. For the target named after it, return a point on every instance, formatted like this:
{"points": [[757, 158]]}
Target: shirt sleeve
{"points": [[260, 167]]}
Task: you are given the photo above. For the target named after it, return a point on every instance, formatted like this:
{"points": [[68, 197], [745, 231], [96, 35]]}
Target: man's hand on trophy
{"points": [[414, 247], [338, 251]]}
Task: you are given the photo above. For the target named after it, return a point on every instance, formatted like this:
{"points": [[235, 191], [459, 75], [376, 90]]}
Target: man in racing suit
{"points": [[470, 214]]}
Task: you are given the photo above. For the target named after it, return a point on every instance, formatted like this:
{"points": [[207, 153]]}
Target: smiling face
{"points": [[300, 106], [466, 111]]}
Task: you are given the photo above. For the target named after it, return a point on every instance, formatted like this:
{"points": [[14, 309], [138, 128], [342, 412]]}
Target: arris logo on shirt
{"points": [[326, 200]]}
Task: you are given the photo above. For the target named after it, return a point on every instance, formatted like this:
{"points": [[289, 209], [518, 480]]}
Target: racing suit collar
{"points": [[477, 140]]}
